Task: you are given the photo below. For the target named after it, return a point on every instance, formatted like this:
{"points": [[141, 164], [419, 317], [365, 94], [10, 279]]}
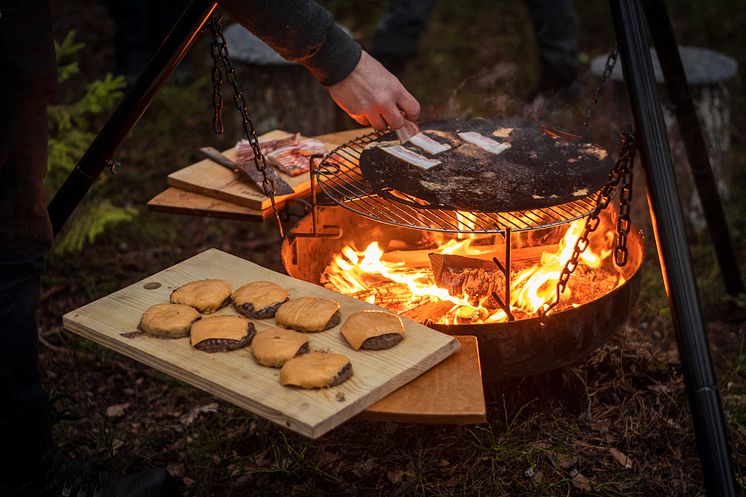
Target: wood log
{"points": [[521, 257], [467, 276], [430, 311]]}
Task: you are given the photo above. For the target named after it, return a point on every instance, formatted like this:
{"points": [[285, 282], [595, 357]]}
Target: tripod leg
{"points": [[694, 143], [129, 111], [673, 251]]}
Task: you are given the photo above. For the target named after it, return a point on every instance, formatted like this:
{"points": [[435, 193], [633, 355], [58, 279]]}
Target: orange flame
{"points": [[407, 285]]}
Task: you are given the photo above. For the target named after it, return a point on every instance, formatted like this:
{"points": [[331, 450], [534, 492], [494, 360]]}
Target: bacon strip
{"points": [[289, 155], [407, 131], [244, 152], [429, 145], [411, 157], [483, 142]]}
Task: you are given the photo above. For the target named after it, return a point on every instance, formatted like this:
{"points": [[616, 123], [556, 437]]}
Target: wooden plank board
{"points": [[449, 393], [177, 201], [209, 178], [180, 201], [234, 376]]}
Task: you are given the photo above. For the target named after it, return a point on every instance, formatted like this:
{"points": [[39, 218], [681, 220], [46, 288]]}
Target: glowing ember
{"points": [[403, 281]]}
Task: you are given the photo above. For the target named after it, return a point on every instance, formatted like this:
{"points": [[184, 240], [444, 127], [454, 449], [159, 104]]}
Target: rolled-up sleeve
{"points": [[301, 31]]}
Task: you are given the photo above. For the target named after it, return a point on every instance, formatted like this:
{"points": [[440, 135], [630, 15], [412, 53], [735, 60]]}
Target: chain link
{"points": [[600, 89], [219, 52], [620, 174], [623, 223]]}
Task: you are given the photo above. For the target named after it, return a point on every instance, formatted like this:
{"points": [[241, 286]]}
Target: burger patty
{"points": [[342, 376], [226, 344], [382, 341], [264, 313]]}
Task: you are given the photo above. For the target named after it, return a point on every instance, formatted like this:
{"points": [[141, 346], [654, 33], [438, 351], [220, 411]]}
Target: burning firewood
{"points": [[521, 257], [431, 311], [466, 276]]}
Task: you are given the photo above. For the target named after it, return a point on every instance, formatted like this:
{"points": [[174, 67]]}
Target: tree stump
{"points": [[279, 94], [707, 73]]}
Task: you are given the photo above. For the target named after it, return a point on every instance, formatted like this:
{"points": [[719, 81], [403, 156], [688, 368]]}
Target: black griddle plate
{"points": [[537, 171]]}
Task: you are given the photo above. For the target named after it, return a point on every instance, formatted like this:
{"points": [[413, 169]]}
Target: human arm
{"points": [[305, 32]]}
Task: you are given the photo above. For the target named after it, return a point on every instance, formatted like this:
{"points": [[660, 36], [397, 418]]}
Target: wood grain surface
{"points": [[449, 393], [178, 201], [234, 376]]}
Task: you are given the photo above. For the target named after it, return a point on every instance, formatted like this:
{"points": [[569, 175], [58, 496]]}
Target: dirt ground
{"points": [[615, 423]]}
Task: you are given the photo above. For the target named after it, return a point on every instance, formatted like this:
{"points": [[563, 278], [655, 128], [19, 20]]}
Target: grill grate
{"points": [[339, 177]]}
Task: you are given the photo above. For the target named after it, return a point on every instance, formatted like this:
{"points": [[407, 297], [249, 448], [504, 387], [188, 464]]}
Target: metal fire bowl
{"points": [[506, 350]]}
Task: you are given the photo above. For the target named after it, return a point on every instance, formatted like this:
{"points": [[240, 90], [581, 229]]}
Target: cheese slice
{"points": [[204, 295], [363, 325], [273, 347], [313, 370], [306, 313], [260, 294], [220, 327], [168, 320]]}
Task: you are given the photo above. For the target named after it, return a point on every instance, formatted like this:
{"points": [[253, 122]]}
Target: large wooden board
{"points": [[449, 393], [209, 178], [234, 376]]}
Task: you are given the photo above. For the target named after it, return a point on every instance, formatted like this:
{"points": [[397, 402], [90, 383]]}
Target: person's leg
{"points": [[27, 83], [24, 421], [556, 30], [398, 33], [131, 38], [26, 86]]}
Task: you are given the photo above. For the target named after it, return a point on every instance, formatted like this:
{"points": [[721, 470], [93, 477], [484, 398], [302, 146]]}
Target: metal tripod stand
{"points": [[665, 206]]}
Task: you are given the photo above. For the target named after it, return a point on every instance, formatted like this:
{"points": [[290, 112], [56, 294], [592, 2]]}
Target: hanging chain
{"points": [[620, 174], [623, 223], [217, 81], [600, 89], [219, 52]]}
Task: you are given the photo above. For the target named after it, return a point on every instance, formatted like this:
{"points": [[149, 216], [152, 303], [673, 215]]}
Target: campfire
{"points": [[447, 280], [490, 274], [451, 279]]}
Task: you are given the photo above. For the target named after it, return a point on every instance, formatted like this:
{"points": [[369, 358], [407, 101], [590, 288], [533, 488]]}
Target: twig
{"points": [[53, 348]]}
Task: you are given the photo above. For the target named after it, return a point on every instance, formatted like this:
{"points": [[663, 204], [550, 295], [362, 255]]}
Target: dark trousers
{"points": [[554, 21], [27, 83], [556, 32]]}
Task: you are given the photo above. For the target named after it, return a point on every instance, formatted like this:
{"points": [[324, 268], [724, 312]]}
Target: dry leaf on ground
{"points": [[621, 458], [395, 476], [191, 416], [116, 410], [581, 482]]}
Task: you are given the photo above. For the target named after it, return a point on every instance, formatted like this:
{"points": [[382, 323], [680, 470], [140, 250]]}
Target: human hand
{"points": [[373, 96]]}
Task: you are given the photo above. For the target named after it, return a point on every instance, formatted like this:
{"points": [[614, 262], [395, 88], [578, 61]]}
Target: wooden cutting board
{"points": [[177, 201], [234, 376], [209, 178]]}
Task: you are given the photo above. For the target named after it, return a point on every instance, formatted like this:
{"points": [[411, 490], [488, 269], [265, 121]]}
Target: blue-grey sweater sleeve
{"points": [[301, 31]]}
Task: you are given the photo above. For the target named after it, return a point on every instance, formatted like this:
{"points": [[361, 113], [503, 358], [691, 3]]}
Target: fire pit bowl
{"points": [[519, 348]]}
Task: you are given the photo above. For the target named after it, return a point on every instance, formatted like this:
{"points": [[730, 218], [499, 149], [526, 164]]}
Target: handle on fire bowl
{"points": [[329, 230]]}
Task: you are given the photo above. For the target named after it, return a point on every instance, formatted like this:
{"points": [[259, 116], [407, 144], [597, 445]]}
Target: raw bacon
{"points": [[407, 131], [484, 143], [289, 155], [429, 145], [411, 157]]}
